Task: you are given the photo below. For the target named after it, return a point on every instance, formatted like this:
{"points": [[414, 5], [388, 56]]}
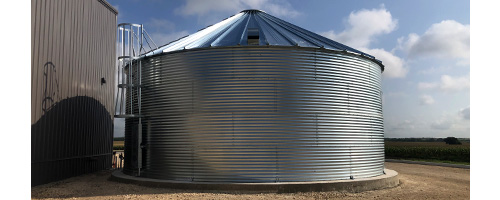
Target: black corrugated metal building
{"points": [[72, 87]]}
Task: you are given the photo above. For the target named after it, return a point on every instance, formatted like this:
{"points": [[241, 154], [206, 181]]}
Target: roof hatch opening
{"points": [[253, 36]]}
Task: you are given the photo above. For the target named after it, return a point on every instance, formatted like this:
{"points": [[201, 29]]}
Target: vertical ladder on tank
{"points": [[131, 39]]}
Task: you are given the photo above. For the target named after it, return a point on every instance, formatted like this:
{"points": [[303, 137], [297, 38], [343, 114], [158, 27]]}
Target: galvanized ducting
{"points": [[258, 114]]}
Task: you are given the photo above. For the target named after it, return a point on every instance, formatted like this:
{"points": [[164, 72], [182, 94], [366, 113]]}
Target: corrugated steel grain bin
{"points": [[257, 99], [73, 54]]}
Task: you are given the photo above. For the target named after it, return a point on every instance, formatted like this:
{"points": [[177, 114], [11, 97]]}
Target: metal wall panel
{"points": [[73, 47], [259, 114]]}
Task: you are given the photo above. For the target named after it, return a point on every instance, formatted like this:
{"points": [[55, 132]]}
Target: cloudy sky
{"points": [[425, 46]]}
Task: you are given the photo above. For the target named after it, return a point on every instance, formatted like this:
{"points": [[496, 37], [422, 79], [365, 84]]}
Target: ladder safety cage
{"points": [[133, 42], [131, 47]]}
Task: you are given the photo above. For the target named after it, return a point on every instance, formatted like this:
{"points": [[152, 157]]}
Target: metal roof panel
{"points": [[273, 31]]}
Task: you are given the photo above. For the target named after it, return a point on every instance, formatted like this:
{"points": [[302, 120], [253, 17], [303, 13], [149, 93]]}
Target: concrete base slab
{"points": [[388, 180]]}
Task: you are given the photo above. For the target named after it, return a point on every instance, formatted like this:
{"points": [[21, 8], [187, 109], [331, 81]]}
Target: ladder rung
{"points": [[128, 57], [128, 116], [128, 85]]}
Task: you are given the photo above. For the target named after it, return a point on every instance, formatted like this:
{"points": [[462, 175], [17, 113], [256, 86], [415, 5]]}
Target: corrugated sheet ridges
{"points": [[72, 48], [258, 114]]}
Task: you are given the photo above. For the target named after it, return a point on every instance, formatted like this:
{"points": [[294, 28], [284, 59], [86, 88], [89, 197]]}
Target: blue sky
{"points": [[425, 46]]}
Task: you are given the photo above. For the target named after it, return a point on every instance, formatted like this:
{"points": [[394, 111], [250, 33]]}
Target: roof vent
{"points": [[253, 36]]}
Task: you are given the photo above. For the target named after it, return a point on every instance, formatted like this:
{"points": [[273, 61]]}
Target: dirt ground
{"points": [[417, 182]]}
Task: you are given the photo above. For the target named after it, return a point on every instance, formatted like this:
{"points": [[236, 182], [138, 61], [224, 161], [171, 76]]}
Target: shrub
{"points": [[118, 147], [452, 140]]}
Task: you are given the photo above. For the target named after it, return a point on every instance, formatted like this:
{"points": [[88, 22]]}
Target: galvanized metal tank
{"points": [[257, 99]]}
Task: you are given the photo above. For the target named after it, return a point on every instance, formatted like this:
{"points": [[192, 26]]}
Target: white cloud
{"points": [[458, 121], [448, 124], [447, 84], [162, 31], [164, 38], [396, 94], [119, 127], [200, 8], [435, 70], [426, 100], [427, 86], [394, 66], [465, 113], [447, 39], [329, 34], [403, 125], [442, 124], [363, 26], [280, 9], [160, 25]]}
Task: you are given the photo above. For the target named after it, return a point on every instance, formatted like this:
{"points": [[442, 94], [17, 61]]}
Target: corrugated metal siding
{"points": [[73, 47], [259, 114]]}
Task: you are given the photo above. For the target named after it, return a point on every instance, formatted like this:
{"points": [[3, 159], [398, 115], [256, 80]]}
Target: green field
{"points": [[429, 151], [118, 145], [425, 144]]}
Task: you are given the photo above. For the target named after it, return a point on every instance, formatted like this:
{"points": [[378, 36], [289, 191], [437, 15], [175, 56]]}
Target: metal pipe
{"points": [[120, 67], [151, 40], [130, 69], [139, 153], [118, 70]]}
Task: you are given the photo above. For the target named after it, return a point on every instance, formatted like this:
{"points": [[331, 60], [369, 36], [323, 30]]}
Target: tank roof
{"points": [[252, 10], [254, 28]]}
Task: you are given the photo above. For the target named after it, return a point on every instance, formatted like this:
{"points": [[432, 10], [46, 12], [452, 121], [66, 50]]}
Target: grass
{"points": [[118, 145], [438, 161]]}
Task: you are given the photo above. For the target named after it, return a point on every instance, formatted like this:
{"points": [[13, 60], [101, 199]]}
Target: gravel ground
{"points": [[417, 182]]}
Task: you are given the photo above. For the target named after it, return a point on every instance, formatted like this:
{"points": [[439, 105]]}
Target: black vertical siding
{"points": [[72, 48]]}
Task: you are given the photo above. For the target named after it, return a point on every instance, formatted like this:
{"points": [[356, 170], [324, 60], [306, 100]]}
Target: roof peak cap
{"points": [[252, 10]]}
